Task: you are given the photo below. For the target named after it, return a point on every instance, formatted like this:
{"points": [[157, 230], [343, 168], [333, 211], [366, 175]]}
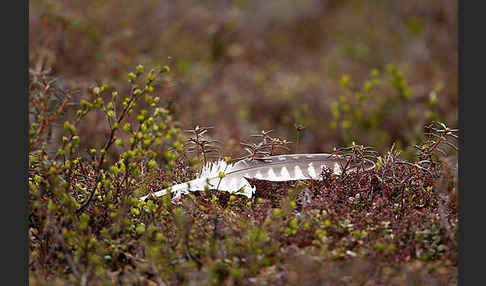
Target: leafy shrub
{"points": [[392, 224], [382, 111], [244, 66]]}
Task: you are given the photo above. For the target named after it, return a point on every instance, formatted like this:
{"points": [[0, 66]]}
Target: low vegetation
{"points": [[393, 225]]}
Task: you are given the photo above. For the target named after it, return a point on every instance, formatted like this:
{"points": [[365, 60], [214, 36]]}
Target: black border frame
{"points": [[14, 115], [471, 195]]}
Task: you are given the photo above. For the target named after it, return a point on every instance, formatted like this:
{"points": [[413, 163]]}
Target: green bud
{"points": [[346, 124], [104, 87], [75, 141], [139, 69], [69, 127], [327, 223], [53, 170], [135, 211], [293, 224], [98, 102], [148, 99], [131, 77], [367, 86], [150, 76], [152, 164], [375, 73], [345, 81], [288, 231]]}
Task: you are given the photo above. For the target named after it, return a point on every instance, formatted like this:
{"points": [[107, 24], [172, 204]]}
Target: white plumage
{"points": [[273, 168]]}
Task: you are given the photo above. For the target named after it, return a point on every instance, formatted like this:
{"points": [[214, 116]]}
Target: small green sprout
{"points": [[139, 69], [131, 77], [96, 90]]}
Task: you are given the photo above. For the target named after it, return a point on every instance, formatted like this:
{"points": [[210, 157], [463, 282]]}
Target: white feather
{"points": [[236, 174]]}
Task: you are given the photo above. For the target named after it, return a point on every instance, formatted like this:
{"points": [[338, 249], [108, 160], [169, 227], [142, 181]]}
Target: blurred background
{"points": [[328, 72]]}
